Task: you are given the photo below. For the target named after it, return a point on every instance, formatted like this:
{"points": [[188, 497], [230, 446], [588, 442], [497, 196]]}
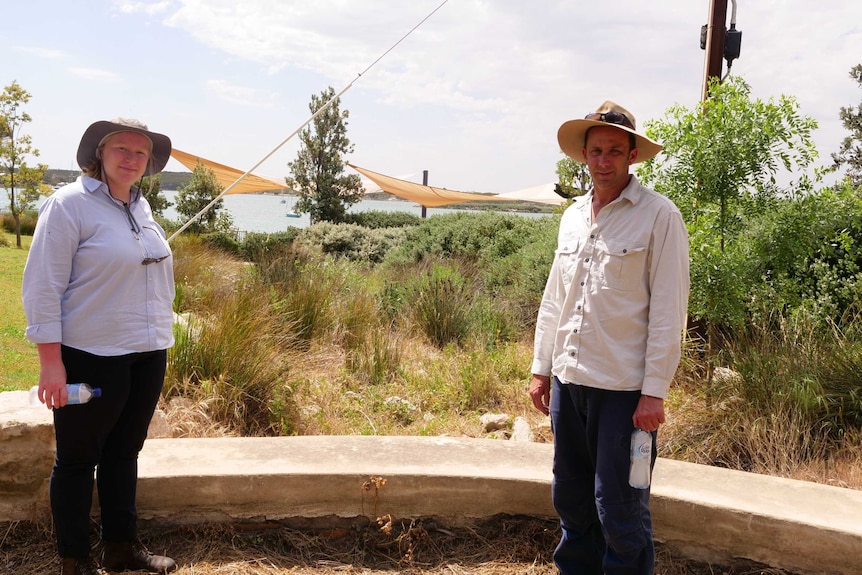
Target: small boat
{"points": [[292, 215]]}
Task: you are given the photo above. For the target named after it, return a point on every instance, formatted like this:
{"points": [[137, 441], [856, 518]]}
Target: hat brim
{"points": [[572, 139], [97, 131]]}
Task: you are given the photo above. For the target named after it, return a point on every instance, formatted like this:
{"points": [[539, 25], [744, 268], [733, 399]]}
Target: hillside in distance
{"points": [[170, 180]]}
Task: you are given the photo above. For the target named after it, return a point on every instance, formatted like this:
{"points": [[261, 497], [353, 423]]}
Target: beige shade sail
{"points": [[541, 194], [427, 196], [225, 175]]}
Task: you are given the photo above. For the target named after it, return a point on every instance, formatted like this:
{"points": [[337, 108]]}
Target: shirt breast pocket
{"points": [[623, 265], [567, 257]]}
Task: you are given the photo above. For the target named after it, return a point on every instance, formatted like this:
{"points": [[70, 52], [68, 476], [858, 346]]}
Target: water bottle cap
{"points": [[97, 392]]}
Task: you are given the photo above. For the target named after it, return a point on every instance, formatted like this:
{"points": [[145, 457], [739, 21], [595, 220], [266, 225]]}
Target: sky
{"points": [[474, 95]]}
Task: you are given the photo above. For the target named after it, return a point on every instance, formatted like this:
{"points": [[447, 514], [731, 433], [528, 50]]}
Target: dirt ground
{"points": [[501, 546]]}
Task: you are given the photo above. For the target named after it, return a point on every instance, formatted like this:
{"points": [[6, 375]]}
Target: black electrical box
{"points": [[732, 44]]}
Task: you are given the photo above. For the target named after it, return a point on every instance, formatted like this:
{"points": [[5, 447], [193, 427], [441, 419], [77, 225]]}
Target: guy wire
{"points": [[303, 125]]}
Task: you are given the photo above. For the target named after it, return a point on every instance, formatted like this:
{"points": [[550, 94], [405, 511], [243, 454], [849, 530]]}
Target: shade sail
{"points": [[542, 194], [225, 175], [427, 196]]}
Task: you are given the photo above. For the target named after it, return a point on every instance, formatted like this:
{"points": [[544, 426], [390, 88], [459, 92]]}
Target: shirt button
{"points": [[579, 307], [575, 330], [572, 353], [582, 283], [586, 259]]}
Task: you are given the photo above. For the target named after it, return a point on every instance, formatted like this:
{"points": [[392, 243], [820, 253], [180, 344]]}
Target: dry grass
{"points": [[713, 433], [500, 546]]}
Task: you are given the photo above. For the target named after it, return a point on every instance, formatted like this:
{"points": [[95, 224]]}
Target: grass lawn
{"points": [[19, 362]]}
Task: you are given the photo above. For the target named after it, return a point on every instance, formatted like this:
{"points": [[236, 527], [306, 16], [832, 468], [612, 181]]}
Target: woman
{"points": [[98, 292]]}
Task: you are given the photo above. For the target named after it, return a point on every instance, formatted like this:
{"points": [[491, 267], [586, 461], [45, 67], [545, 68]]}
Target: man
{"points": [[607, 344]]}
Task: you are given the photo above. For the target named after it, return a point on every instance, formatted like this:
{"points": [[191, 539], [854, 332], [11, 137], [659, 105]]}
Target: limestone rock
{"points": [[521, 430], [495, 421], [27, 437], [159, 427]]}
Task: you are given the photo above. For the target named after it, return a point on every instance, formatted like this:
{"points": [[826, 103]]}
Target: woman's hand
{"points": [[52, 376]]}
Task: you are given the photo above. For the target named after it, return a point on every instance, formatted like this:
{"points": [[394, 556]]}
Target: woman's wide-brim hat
{"points": [[95, 135], [572, 135]]}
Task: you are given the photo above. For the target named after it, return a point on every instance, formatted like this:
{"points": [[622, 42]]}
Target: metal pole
{"points": [[424, 183], [715, 34]]}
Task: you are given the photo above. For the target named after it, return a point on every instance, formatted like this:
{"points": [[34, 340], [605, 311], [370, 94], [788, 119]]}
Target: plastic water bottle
{"points": [[641, 458], [78, 393]]}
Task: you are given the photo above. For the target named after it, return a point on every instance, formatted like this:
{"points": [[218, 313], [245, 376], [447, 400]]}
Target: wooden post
{"points": [[715, 33]]}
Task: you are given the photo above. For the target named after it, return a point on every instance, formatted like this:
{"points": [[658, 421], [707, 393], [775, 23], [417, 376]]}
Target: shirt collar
{"points": [[93, 185], [632, 192]]}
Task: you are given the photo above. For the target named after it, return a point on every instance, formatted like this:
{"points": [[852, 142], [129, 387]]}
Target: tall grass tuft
{"points": [[232, 359], [230, 347], [377, 360], [304, 289], [789, 397], [441, 299]]}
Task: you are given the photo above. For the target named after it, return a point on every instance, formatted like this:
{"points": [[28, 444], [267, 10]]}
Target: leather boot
{"points": [[78, 566], [134, 557]]}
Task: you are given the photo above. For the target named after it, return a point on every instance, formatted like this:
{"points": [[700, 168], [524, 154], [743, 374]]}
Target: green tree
{"points": [[151, 187], [193, 197], [720, 166], [573, 178], [23, 183], [325, 192], [28, 180], [850, 154]]}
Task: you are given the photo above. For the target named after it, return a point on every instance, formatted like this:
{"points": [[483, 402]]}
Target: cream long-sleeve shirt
{"points": [[616, 300]]}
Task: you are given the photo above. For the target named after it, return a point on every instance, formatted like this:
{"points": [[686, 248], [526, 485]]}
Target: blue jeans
{"points": [[104, 435], [606, 524]]}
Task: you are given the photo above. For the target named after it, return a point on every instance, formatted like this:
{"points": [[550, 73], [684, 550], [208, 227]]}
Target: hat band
{"points": [[611, 118]]}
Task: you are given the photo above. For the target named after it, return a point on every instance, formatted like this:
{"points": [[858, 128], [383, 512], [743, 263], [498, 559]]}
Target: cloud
{"points": [[95, 74], [148, 8], [46, 53], [240, 95]]}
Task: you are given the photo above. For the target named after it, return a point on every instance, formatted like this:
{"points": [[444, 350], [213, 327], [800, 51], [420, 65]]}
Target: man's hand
{"points": [[540, 392], [649, 414]]}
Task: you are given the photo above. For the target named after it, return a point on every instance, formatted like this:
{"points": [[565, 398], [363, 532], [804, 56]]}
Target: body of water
{"points": [[268, 213]]}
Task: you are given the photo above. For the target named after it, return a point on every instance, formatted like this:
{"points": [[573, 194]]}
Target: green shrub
{"points": [[487, 236], [350, 241], [27, 219], [491, 322], [258, 247], [383, 219], [223, 241]]}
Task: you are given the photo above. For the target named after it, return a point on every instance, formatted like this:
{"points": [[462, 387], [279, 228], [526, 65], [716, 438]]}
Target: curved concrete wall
{"points": [[702, 512]]}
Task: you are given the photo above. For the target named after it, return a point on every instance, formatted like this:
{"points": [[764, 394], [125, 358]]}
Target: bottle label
{"points": [[641, 450]]}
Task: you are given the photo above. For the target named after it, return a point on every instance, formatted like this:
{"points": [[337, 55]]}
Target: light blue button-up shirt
{"points": [[85, 285]]}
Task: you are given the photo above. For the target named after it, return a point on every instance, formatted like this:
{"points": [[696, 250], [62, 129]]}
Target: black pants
{"points": [[104, 435]]}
